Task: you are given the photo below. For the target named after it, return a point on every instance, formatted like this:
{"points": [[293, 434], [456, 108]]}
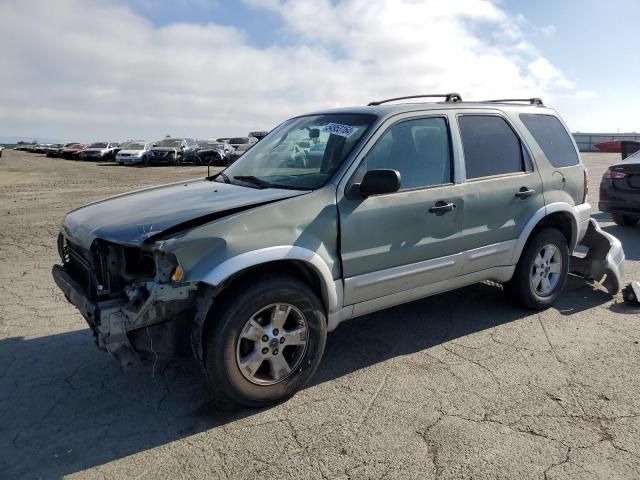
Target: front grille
{"points": [[88, 268], [78, 264]]}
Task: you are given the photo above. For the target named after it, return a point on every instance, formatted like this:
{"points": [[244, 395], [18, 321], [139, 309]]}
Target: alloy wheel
{"points": [[272, 344], [546, 270]]}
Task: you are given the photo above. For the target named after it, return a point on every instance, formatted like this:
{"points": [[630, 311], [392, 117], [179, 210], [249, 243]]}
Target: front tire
{"points": [[266, 342], [624, 220], [541, 272]]}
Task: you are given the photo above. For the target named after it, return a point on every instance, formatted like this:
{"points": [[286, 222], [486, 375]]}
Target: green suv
{"points": [[334, 215]]}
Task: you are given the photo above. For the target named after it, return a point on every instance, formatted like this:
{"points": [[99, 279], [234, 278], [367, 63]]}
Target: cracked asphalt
{"points": [[460, 385]]}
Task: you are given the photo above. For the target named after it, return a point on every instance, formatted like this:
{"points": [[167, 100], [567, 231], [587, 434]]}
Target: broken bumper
{"points": [[117, 323], [604, 261]]}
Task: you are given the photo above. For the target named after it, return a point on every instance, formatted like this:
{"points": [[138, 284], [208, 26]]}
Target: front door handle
{"points": [[525, 193], [441, 207]]}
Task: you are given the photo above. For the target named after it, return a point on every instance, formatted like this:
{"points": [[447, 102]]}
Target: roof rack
{"points": [[448, 97], [532, 101]]}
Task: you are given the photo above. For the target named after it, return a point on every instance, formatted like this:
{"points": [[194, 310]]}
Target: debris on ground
{"points": [[631, 293]]}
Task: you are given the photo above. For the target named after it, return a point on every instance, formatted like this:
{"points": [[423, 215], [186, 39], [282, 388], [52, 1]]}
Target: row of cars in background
{"points": [[169, 150]]}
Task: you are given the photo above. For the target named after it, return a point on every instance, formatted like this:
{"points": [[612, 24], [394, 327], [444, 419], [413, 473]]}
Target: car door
{"points": [[407, 239], [503, 189]]}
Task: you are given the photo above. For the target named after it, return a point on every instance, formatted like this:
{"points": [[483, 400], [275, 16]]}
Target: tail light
{"points": [[611, 174], [586, 185]]}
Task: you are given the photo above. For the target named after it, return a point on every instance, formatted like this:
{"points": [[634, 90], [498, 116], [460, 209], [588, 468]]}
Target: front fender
{"points": [[331, 291]]}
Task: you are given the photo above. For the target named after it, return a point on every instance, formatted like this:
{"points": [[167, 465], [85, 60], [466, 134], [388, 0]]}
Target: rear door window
{"points": [[490, 146], [553, 139]]}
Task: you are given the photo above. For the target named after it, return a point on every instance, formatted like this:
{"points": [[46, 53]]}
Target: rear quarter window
{"points": [[552, 138]]}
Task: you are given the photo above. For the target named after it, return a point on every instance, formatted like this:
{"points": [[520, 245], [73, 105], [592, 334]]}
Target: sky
{"points": [[86, 70]]}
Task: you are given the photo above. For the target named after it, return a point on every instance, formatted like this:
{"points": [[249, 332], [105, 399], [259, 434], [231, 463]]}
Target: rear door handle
{"points": [[525, 193], [441, 207]]}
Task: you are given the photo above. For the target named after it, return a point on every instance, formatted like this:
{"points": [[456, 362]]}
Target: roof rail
{"points": [[532, 101], [448, 97]]}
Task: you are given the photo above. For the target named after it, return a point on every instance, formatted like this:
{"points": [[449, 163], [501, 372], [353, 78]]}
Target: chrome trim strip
{"points": [[369, 286]]}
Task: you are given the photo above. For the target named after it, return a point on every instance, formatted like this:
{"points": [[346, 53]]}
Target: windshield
{"points": [[98, 145], [205, 144], [168, 142], [238, 141], [281, 160], [133, 146]]}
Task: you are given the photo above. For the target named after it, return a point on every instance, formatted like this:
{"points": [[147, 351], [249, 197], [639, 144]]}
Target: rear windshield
{"points": [[205, 144], [553, 139], [168, 142]]}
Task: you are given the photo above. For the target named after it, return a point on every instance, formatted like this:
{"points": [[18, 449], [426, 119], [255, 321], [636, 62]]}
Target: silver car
{"points": [[134, 152], [249, 269]]}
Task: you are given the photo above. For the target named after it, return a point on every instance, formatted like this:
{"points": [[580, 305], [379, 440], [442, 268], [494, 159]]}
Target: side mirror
{"points": [[378, 182]]}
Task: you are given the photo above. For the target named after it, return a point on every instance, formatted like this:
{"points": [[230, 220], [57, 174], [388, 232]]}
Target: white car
{"points": [[134, 152]]}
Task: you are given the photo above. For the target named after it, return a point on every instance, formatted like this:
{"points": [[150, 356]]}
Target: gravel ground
{"points": [[460, 385]]}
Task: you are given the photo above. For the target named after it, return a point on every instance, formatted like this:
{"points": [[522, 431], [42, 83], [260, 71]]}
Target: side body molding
{"points": [[579, 220], [331, 290]]}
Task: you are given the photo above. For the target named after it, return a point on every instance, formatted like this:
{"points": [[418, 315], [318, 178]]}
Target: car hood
{"points": [[99, 150], [132, 218]]}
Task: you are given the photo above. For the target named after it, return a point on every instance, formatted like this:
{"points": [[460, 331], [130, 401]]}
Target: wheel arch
{"points": [[298, 261], [561, 216]]}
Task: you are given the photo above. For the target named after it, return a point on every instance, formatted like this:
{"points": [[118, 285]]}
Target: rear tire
{"points": [[541, 272], [625, 220], [242, 365]]}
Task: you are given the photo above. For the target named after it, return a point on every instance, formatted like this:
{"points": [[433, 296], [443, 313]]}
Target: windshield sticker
{"points": [[339, 129]]}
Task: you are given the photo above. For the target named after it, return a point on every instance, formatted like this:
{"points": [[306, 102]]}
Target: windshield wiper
{"points": [[253, 180]]}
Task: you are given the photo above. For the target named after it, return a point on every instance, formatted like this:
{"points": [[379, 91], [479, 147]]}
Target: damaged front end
{"points": [[133, 298], [604, 260]]}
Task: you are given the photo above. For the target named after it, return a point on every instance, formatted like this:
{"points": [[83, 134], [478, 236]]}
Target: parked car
{"points": [[235, 142], [72, 151], [134, 152], [54, 150], [212, 152], [174, 151], [1, 149], [258, 135], [251, 268], [241, 145], [100, 151], [620, 191], [25, 147], [41, 147], [239, 151]]}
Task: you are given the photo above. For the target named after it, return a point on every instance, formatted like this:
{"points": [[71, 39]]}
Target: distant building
{"points": [[587, 141]]}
